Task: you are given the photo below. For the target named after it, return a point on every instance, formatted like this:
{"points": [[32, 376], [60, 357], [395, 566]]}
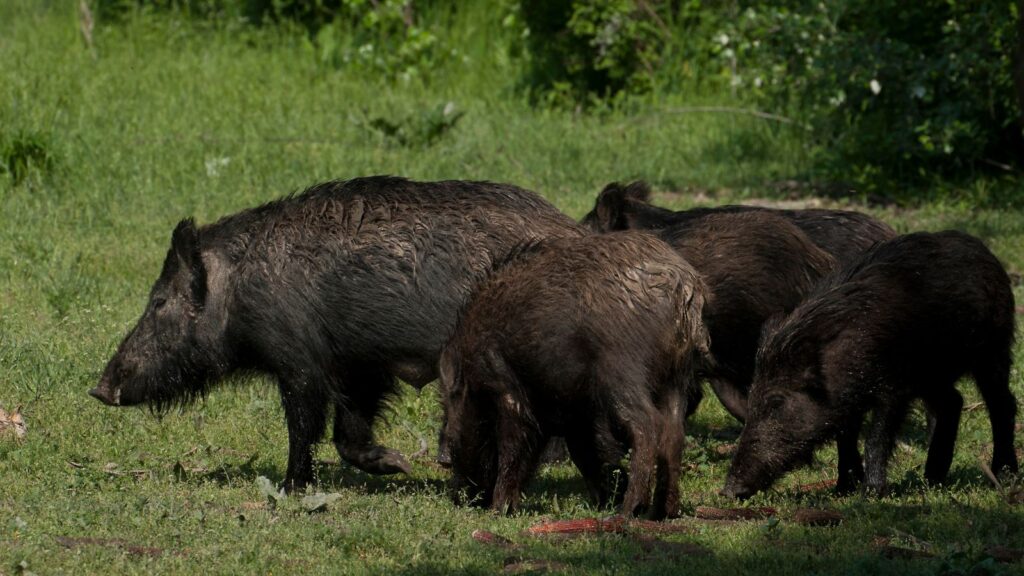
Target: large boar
{"points": [[335, 292], [844, 234], [593, 339], [756, 264], [907, 321]]}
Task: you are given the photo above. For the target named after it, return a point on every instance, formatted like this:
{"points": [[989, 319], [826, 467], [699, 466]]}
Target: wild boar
{"points": [[336, 292], [844, 234], [907, 321], [594, 339]]}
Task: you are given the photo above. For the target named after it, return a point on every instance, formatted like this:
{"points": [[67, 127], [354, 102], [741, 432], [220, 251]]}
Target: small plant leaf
{"points": [[319, 501], [270, 490]]}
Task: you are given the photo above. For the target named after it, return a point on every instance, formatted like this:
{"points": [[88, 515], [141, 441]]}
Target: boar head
{"points": [[166, 358]]}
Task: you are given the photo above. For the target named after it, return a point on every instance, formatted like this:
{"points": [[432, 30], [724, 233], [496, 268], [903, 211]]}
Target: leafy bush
{"points": [[891, 89], [580, 50]]}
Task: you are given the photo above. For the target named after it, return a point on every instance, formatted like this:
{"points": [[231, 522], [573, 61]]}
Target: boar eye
{"points": [[158, 303], [775, 402]]}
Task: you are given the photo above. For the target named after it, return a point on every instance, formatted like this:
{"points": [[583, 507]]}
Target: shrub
{"points": [[582, 50], [892, 90]]}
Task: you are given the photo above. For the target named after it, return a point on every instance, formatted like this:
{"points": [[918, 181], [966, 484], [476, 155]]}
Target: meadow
{"points": [[107, 144]]}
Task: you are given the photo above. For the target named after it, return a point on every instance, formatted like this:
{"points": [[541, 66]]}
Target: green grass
{"points": [[170, 120]]}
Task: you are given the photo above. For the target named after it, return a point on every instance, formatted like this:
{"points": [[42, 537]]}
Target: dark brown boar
{"points": [[844, 234], [907, 321], [335, 292], [593, 339], [756, 264]]}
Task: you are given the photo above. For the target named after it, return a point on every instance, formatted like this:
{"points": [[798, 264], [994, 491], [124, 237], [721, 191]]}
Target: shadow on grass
{"points": [[876, 537]]}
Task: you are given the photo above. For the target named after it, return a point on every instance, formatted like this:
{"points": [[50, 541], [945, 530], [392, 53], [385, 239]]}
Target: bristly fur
{"points": [[907, 321], [592, 338], [843, 234], [336, 292]]}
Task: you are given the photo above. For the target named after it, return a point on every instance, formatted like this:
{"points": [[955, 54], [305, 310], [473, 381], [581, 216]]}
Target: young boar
{"points": [[844, 234], [907, 321], [336, 292], [592, 339], [756, 264]]}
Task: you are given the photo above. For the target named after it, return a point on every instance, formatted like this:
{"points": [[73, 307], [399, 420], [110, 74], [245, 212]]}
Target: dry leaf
{"points": [[12, 423], [710, 513], [815, 517]]}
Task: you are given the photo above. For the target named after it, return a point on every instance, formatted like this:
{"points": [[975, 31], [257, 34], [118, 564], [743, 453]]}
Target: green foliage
{"points": [[581, 50], [892, 90], [380, 37], [422, 128]]}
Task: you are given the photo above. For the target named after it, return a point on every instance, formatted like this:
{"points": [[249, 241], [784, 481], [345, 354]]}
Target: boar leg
{"points": [[993, 381], [885, 423], [851, 469], [520, 442], [670, 450], [945, 405], [731, 396], [306, 415], [640, 424], [353, 426], [596, 453], [694, 396]]}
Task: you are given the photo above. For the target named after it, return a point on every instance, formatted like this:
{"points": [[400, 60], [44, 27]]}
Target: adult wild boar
{"points": [[907, 321], [335, 292], [844, 234], [594, 339], [756, 264]]}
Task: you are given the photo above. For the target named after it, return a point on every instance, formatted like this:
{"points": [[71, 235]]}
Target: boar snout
{"points": [[104, 394], [737, 490]]}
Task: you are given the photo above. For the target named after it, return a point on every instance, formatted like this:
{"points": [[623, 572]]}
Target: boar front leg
{"points": [[945, 406], [881, 439], [306, 414], [851, 468], [520, 442]]}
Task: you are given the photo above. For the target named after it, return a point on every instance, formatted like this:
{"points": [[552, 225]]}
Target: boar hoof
{"points": [[380, 460]]}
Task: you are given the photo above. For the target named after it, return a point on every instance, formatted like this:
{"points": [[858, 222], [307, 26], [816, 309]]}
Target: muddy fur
{"points": [[844, 234], [594, 339], [766, 280], [757, 265], [905, 322], [336, 292]]}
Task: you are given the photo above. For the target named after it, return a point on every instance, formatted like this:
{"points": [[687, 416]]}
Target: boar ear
{"points": [[611, 206], [185, 245], [637, 191]]}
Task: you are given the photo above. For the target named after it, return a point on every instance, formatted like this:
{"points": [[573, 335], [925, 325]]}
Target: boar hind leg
{"points": [[851, 468], [670, 449], [885, 423], [694, 396], [306, 416], [945, 405], [597, 453], [993, 380], [643, 439], [353, 427], [732, 397]]}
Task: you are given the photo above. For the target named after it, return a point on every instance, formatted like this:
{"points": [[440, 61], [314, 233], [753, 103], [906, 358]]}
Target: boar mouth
{"points": [[103, 394]]}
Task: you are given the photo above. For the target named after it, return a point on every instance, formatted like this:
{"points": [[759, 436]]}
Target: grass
{"points": [[170, 120]]}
